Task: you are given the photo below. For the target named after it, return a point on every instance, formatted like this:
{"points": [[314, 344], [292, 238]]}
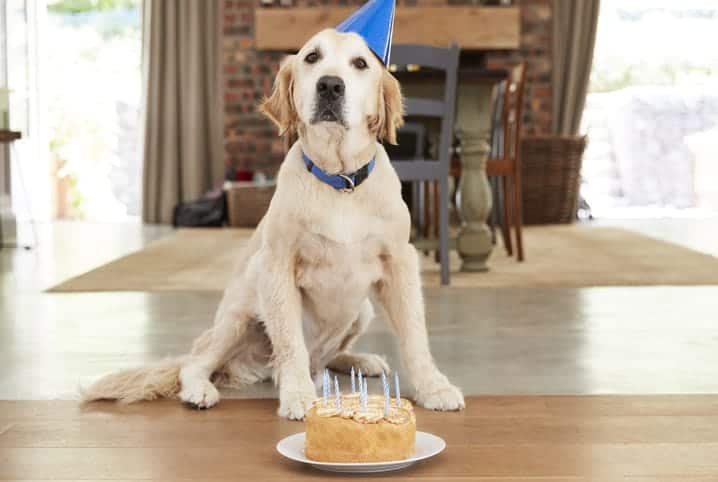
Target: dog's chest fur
{"points": [[338, 261]]}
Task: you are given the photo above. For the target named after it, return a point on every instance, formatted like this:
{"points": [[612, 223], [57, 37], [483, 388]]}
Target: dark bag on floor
{"points": [[208, 212]]}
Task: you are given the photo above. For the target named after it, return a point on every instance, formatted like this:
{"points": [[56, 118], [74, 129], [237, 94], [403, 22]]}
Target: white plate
{"points": [[427, 445]]}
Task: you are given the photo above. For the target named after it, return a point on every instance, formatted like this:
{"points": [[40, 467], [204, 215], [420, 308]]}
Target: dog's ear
{"points": [[390, 112], [279, 107]]}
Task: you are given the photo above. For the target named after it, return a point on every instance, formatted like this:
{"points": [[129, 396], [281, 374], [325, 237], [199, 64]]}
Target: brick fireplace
{"points": [[251, 142]]}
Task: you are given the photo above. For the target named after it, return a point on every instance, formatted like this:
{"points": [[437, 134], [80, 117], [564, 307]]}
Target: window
{"points": [[652, 110]]}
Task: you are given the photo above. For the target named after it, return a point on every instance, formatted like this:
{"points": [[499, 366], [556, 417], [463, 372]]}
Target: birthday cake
{"points": [[358, 427]]}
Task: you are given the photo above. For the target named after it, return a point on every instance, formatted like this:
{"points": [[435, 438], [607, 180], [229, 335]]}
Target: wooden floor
{"points": [[521, 343], [513, 438], [508, 341]]}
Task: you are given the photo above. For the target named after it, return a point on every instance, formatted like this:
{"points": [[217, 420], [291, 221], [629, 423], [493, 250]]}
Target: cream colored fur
{"points": [[319, 262]]}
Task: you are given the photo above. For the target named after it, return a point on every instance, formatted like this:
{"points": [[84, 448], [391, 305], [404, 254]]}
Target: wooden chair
{"points": [[506, 163], [446, 60]]}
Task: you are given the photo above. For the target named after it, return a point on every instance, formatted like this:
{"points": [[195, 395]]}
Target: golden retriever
{"points": [[321, 259]]}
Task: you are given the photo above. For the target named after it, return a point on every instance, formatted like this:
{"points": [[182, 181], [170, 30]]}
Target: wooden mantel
{"points": [[472, 28]]}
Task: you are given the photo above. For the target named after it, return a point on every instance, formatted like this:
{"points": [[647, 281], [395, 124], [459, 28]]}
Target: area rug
{"points": [[556, 256]]}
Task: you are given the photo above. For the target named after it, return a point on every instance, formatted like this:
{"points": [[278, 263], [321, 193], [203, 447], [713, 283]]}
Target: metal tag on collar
{"points": [[350, 184]]}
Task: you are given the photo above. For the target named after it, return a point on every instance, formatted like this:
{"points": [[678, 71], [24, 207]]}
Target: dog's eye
{"points": [[311, 57], [359, 63]]}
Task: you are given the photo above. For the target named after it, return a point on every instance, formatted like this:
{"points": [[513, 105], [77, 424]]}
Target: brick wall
{"points": [[251, 142], [535, 49]]}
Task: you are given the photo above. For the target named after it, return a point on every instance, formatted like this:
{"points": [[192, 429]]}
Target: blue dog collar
{"points": [[340, 182]]}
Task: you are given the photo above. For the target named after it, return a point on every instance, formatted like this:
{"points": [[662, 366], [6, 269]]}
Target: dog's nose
{"points": [[330, 86]]}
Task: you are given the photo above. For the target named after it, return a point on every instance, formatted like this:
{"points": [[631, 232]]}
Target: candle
{"points": [[363, 394], [353, 386], [385, 386], [337, 395], [325, 386], [396, 389], [365, 400], [362, 381]]}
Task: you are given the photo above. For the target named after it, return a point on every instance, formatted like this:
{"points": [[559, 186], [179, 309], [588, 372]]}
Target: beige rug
{"points": [[556, 256]]}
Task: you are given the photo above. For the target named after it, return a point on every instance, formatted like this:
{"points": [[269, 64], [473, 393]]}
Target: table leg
{"points": [[474, 197]]}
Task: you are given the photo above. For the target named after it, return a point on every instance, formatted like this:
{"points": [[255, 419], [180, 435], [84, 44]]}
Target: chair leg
{"points": [[435, 227], [416, 206], [506, 224], [437, 206], [444, 229], [427, 209], [499, 211], [424, 194], [495, 207], [518, 217], [432, 209], [425, 226]]}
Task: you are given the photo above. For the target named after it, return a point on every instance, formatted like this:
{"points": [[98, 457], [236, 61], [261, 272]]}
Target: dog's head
{"points": [[335, 81]]}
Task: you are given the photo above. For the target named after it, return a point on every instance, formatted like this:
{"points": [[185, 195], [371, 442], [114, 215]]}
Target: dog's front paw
{"points": [[370, 364], [440, 395], [199, 394], [296, 395], [294, 404]]}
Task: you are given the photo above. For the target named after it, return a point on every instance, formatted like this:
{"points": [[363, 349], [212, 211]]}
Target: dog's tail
{"points": [[145, 383]]}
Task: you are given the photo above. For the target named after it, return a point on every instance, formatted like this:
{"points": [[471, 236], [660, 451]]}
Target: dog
{"points": [[322, 259]]}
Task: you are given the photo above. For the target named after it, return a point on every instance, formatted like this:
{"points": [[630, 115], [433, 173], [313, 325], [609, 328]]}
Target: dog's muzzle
{"points": [[330, 99]]}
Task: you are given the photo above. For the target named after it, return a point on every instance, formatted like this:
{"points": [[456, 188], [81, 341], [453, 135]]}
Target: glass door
{"points": [[74, 68], [93, 93]]}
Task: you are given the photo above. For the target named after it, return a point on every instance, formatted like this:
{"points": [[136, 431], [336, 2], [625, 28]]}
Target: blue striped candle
{"points": [[385, 386], [353, 386], [363, 394], [337, 395], [396, 389], [325, 386]]}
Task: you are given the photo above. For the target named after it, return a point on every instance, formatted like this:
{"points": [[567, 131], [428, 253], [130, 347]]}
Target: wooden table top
{"points": [[9, 136], [512, 438]]}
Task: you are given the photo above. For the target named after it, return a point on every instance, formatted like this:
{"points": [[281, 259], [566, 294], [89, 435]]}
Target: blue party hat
{"points": [[375, 23]]}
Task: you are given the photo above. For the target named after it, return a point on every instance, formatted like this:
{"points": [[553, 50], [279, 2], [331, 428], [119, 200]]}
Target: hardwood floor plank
{"points": [[475, 431], [510, 406], [538, 439], [604, 460]]}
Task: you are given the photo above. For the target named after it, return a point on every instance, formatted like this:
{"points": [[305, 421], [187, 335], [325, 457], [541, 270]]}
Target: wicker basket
{"points": [[247, 203], [550, 170]]}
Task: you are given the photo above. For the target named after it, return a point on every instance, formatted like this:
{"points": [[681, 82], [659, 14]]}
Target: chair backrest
{"points": [[512, 110], [411, 139], [443, 59]]}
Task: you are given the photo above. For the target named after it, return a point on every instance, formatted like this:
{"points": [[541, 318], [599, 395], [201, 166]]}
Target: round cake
{"points": [[355, 434]]}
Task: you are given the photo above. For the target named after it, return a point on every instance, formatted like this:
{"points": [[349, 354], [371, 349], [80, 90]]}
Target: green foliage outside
{"points": [[87, 6], [617, 77], [650, 43]]}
